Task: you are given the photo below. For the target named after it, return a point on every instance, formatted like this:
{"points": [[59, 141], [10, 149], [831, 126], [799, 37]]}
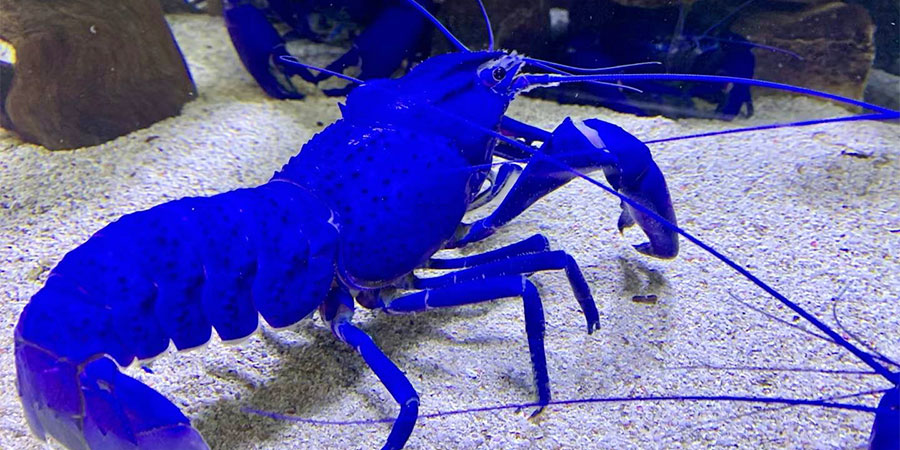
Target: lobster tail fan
{"points": [[102, 409], [120, 410]]}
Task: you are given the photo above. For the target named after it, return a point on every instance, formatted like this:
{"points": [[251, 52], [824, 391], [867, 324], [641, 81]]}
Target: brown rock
{"points": [[88, 71], [6, 75], [834, 39], [520, 25]]}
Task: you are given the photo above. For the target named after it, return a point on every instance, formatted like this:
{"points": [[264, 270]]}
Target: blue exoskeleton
{"points": [[366, 202], [347, 220]]}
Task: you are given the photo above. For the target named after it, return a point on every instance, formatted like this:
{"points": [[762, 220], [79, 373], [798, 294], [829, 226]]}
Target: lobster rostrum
{"points": [[347, 220]]}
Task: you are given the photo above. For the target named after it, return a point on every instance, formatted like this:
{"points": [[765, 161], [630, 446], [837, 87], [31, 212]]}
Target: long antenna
{"points": [[827, 402], [487, 22], [771, 48], [550, 68], [450, 37], [528, 80]]}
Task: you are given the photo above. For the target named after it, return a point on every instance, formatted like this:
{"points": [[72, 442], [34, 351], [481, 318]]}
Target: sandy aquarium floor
{"points": [[815, 211]]}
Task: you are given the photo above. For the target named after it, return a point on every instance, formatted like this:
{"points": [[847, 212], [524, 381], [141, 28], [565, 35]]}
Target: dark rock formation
{"points": [[520, 25], [887, 33], [883, 89], [834, 39], [6, 75], [88, 71]]}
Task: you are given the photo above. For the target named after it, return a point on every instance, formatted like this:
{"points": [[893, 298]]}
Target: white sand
{"points": [[788, 204]]}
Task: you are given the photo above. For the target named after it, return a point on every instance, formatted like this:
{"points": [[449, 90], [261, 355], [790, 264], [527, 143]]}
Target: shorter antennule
{"points": [[293, 61]]}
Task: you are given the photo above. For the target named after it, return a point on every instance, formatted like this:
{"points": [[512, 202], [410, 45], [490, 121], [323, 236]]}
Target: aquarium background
{"points": [[812, 210]]}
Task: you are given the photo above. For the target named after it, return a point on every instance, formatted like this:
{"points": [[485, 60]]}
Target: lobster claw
{"points": [[635, 175], [585, 146], [651, 193], [393, 32], [260, 47], [885, 430]]}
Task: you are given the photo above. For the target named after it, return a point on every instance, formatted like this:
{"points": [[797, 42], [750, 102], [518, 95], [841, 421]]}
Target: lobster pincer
{"points": [[260, 48], [384, 34], [580, 147]]}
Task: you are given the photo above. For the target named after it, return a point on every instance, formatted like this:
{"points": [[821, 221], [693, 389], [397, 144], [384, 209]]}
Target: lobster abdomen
{"points": [[170, 272]]}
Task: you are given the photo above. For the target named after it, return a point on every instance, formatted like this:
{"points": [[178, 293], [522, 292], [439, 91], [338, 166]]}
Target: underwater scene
{"points": [[449, 224]]}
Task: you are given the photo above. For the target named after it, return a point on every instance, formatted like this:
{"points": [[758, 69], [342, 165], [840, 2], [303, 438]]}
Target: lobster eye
{"points": [[499, 73]]}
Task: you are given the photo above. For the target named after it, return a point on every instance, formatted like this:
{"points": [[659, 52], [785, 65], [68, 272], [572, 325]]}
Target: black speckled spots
{"points": [[61, 318], [291, 264], [398, 194], [377, 219], [176, 270], [228, 252]]}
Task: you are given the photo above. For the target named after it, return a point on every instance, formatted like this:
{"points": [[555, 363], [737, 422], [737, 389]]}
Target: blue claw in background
{"points": [[260, 47], [384, 36]]}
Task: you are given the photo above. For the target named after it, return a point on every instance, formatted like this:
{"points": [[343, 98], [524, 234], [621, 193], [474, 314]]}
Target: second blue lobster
{"points": [[385, 33]]}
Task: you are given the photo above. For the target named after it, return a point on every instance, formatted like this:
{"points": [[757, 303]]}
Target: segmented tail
{"points": [[168, 273]]}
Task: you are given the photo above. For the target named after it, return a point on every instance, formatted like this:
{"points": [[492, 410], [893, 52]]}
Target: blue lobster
{"points": [[391, 32], [347, 220]]}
